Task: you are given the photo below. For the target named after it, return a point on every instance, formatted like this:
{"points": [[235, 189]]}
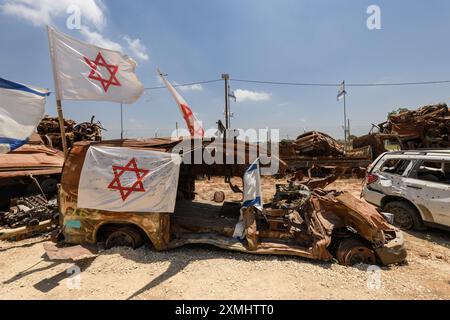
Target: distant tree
{"points": [[397, 112]]}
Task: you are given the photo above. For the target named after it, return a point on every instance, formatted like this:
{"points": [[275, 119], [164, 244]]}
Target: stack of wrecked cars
{"points": [[425, 128], [158, 205], [323, 154]]}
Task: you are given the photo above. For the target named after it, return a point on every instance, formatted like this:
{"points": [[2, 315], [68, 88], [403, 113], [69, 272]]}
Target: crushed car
{"points": [[127, 192], [318, 150], [427, 127]]}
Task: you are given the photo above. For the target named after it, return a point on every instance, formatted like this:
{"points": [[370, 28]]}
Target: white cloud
{"points": [[93, 19], [97, 39], [137, 48], [43, 12], [192, 87], [255, 96]]}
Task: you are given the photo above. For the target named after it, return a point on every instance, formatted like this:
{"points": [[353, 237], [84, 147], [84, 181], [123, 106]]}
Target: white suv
{"points": [[414, 186]]}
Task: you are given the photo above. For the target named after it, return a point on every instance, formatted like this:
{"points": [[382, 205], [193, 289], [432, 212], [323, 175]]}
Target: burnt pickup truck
{"points": [[315, 224]]}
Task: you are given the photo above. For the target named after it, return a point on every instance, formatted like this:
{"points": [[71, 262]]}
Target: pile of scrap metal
{"points": [[28, 216], [49, 131], [427, 127], [319, 150], [26, 175], [330, 222], [312, 144]]}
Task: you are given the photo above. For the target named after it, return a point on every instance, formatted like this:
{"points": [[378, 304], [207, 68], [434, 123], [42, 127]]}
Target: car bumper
{"points": [[394, 251]]}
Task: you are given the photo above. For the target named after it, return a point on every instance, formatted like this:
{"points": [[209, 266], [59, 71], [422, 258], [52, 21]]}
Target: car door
{"points": [[430, 195], [391, 173]]}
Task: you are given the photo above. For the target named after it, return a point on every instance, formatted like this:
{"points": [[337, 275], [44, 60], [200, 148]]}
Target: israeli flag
{"points": [[21, 109], [252, 196], [341, 92], [252, 187]]}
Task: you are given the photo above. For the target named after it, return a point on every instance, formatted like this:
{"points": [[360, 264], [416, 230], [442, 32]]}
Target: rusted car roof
{"points": [[32, 158]]}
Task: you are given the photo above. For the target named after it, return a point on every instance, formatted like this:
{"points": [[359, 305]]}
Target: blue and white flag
{"points": [[252, 196], [232, 95], [21, 109], [341, 92], [252, 187]]}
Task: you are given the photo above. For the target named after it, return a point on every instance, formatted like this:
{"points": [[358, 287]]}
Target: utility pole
{"points": [[226, 77], [121, 121], [176, 128]]}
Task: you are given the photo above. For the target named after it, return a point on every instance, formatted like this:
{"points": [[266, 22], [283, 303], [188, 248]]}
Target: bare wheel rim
{"points": [[120, 239], [352, 252]]}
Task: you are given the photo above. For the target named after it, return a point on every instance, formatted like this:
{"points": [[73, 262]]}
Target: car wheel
{"points": [[405, 215], [124, 237], [352, 251]]}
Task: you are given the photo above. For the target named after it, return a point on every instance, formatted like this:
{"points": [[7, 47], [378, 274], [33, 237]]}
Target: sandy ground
{"points": [[202, 272]]}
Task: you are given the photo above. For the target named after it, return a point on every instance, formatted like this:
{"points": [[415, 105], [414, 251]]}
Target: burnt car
{"points": [[33, 169], [315, 224]]}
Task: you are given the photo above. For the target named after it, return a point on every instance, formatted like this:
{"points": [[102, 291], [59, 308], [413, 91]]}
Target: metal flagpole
{"points": [[62, 127], [121, 121], [345, 116]]}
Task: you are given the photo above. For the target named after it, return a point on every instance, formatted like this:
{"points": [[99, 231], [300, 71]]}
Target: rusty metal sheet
{"points": [[74, 253], [317, 144], [426, 127], [31, 158]]}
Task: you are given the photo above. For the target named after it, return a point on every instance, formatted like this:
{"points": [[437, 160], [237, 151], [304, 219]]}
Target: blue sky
{"points": [[284, 40]]}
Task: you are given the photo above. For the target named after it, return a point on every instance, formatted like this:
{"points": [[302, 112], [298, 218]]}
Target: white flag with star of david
{"points": [[86, 72], [128, 180]]}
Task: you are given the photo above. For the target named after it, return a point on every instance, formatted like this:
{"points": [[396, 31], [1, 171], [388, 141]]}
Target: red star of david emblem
{"points": [[96, 75], [137, 186]]}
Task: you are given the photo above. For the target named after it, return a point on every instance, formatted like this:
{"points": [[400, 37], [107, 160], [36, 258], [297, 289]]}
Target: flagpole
{"points": [[121, 121], [62, 127], [345, 117]]}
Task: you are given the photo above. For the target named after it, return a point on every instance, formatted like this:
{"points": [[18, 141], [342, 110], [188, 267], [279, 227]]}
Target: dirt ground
{"points": [[201, 272]]}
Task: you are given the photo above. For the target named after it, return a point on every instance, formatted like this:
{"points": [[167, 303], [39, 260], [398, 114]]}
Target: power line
{"points": [[185, 84], [282, 83], [347, 85]]}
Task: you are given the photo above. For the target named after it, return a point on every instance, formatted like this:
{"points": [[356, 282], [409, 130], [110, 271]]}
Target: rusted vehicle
{"points": [[425, 128], [319, 150], [315, 224], [32, 169]]}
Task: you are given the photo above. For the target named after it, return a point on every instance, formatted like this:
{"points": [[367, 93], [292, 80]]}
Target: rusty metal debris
{"points": [[312, 144], [326, 216], [32, 169], [29, 211], [427, 127], [316, 149], [74, 253], [49, 131]]}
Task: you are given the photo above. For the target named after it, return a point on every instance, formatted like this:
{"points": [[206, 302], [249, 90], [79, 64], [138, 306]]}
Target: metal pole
{"points": [[345, 117], [121, 121], [226, 77], [62, 127]]}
